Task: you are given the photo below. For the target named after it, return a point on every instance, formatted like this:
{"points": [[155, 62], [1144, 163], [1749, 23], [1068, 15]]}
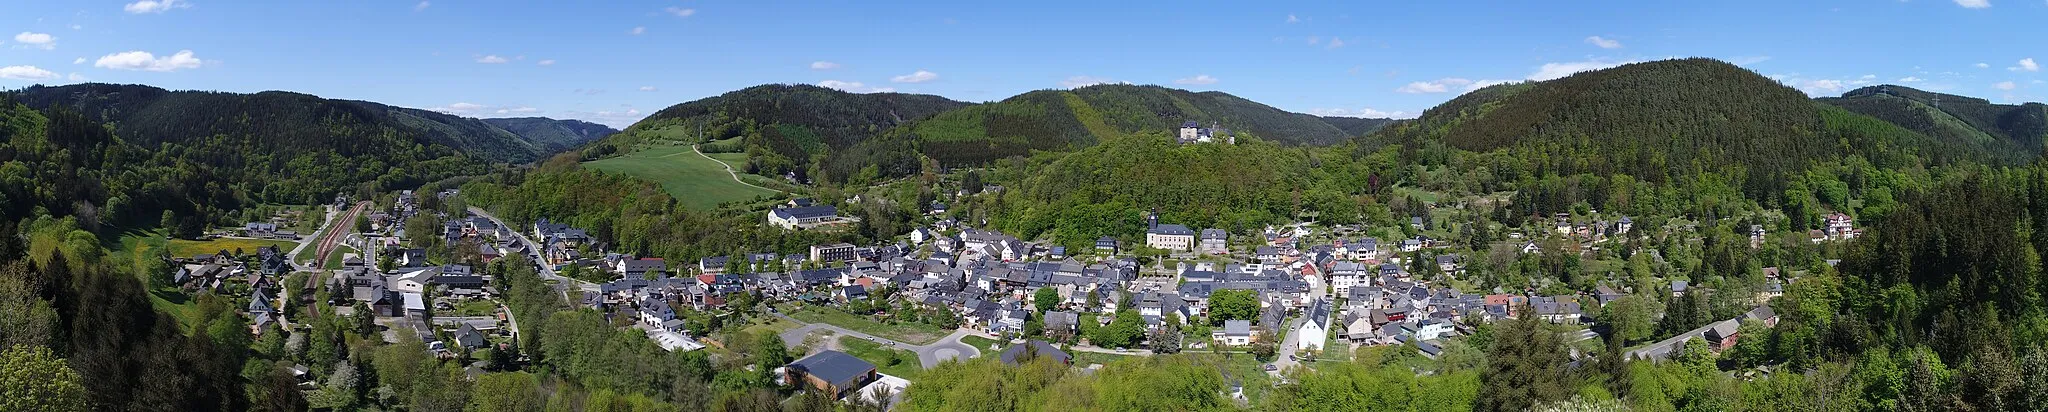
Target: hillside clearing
{"points": [[700, 183]]}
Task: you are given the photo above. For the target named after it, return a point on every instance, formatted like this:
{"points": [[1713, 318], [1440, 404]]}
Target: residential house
{"points": [[713, 265], [1235, 332], [1106, 245], [1316, 330], [1215, 241], [468, 337], [1035, 349]]}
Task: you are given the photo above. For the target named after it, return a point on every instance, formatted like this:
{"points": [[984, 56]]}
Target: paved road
{"points": [[929, 356], [547, 272], [1290, 345]]}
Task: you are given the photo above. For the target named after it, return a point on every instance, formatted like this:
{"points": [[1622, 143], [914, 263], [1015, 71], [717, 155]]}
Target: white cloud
{"points": [[1198, 79], [920, 76], [78, 77], [1868, 77], [1911, 79], [422, 6], [1336, 42], [1823, 85], [2026, 64], [1973, 4], [2006, 86], [77, 27], [1481, 84], [37, 40], [1314, 39], [1983, 65], [823, 65], [142, 60], [1292, 19], [1604, 43], [547, 62], [681, 12], [459, 108], [1557, 70], [491, 59], [1363, 112], [638, 30], [80, 60], [154, 6], [1439, 86], [512, 110], [648, 88], [853, 87], [31, 73], [1077, 82]]}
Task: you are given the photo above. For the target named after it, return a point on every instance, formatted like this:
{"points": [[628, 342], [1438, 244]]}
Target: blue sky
{"points": [[616, 61]]}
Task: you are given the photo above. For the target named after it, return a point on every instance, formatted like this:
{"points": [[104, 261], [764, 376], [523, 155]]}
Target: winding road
{"points": [[562, 283], [729, 171], [929, 356]]}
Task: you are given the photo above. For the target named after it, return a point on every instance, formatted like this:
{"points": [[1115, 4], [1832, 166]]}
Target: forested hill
{"points": [[271, 147], [553, 134], [780, 126], [1072, 119], [1666, 120], [1357, 126], [288, 123], [2017, 130]]}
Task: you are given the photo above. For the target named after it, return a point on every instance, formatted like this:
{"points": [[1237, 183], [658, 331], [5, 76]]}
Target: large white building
{"points": [[1170, 237], [793, 218]]}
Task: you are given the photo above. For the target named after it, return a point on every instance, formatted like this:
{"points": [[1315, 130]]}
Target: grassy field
{"points": [[892, 362], [769, 325], [476, 307], [698, 182], [340, 253], [906, 332], [138, 246], [190, 248], [981, 343]]}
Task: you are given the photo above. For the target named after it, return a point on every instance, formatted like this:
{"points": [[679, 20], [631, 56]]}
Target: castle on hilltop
{"points": [[1192, 132]]}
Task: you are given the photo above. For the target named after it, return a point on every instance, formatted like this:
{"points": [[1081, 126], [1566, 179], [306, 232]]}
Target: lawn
{"points": [[893, 362], [476, 307], [768, 325], [698, 182], [340, 253], [137, 245], [1083, 359], [190, 248], [981, 343], [906, 332]]}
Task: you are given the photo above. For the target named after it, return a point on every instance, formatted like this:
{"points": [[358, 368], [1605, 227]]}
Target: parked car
{"points": [[1271, 367]]}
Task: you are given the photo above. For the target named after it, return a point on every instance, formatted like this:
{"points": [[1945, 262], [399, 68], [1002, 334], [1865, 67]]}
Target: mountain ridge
{"points": [[152, 115]]}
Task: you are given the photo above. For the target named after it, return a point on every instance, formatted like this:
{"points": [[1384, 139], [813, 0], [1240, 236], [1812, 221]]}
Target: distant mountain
{"points": [[2002, 128], [283, 121], [1667, 120], [293, 147], [1357, 126], [553, 134], [1071, 119]]}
